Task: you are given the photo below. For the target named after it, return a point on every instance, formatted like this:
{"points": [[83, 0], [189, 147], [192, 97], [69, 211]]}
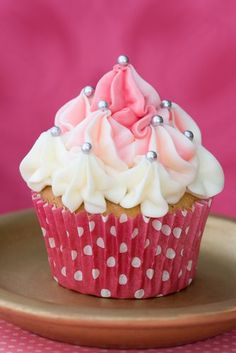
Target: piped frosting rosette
{"points": [[120, 142]]}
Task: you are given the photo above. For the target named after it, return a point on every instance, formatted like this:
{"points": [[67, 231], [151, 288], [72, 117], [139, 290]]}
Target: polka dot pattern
{"points": [[15, 340], [80, 231], [105, 293], [95, 273], [123, 279], [78, 276], [136, 262], [166, 229], [120, 257], [170, 253]]}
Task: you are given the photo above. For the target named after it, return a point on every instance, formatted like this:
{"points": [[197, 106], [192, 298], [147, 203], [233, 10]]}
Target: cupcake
{"points": [[122, 187]]}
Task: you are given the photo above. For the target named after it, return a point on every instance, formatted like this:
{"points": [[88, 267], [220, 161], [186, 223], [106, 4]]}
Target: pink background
{"points": [[51, 49]]}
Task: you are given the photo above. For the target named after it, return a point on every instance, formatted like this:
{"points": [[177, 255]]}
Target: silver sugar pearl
{"points": [[189, 134], [166, 104], [123, 60], [157, 120], [88, 91], [102, 105], [151, 156], [55, 131], [86, 147]]}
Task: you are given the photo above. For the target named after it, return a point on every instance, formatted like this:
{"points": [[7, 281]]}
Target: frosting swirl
{"points": [[116, 168]]}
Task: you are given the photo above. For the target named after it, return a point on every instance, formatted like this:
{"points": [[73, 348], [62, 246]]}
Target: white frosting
{"points": [[83, 179], [116, 168], [46, 156], [209, 179], [149, 185]]}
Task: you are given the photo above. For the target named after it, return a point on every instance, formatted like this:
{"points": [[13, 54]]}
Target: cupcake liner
{"points": [[122, 257]]}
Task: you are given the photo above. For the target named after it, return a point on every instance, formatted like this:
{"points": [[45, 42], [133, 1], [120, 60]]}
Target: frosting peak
{"points": [[128, 95], [122, 119]]}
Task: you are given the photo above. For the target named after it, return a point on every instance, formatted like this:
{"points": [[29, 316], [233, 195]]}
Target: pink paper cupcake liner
{"points": [[122, 257]]}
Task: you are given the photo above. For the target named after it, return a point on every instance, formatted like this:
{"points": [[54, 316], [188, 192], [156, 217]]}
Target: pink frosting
{"points": [[72, 113], [128, 95], [124, 131]]}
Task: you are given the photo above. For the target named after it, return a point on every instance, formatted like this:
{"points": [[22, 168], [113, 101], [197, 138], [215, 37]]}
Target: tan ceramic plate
{"points": [[31, 299]]}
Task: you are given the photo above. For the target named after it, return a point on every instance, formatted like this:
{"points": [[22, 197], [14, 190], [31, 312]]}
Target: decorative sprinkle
{"points": [[123, 60], [189, 134], [86, 147], [157, 120], [55, 131], [166, 104], [88, 91], [103, 105], [151, 156]]}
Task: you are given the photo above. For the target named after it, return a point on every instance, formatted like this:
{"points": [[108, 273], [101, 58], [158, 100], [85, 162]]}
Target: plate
{"points": [[31, 299]]}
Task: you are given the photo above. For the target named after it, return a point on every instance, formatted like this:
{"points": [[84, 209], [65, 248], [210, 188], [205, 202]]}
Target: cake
{"points": [[122, 187]]}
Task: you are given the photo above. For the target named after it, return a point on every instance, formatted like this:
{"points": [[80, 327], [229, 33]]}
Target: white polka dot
{"points": [[135, 233], [51, 242], [67, 234], [43, 231], [111, 261], [189, 265], [170, 253], [123, 248], [100, 243], [156, 225], [73, 254], [193, 208], [80, 231], [187, 230], [146, 219], [180, 273], [165, 276], [184, 213], [55, 278], [123, 279], [147, 243], [78, 276], [95, 273], [61, 248], [150, 273], [166, 229], [182, 252], [105, 293], [158, 250], [139, 293], [63, 271], [123, 218], [190, 281], [88, 250], [113, 230], [91, 225], [105, 218], [136, 262], [177, 232]]}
